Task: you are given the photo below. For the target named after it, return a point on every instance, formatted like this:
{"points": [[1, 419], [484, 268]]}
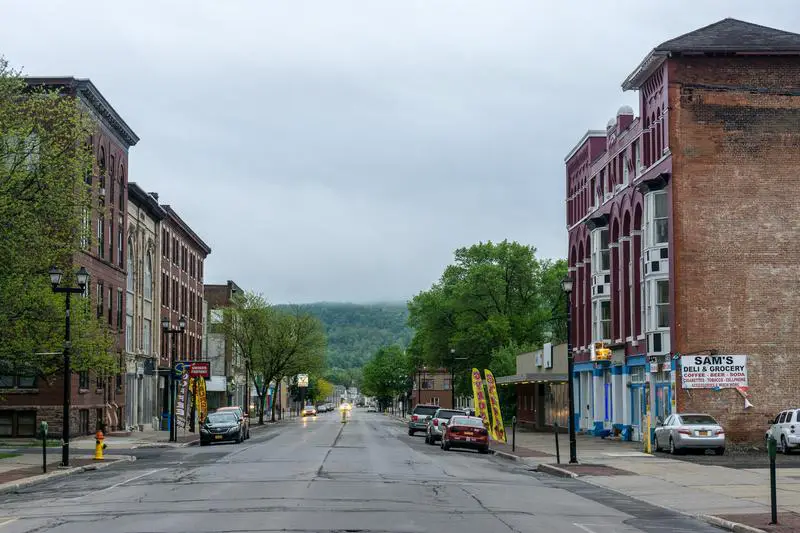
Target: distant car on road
{"points": [[437, 423], [309, 410], [466, 432], [372, 409], [243, 417], [420, 416], [221, 427], [685, 431]]}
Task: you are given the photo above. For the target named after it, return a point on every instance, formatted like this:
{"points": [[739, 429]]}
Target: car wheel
{"points": [[410, 432], [672, 449], [720, 450], [656, 447], [484, 450], [785, 446], [203, 443]]}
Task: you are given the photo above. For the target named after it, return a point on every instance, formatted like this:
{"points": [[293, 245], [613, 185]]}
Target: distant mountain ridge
{"points": [[356, 331]]}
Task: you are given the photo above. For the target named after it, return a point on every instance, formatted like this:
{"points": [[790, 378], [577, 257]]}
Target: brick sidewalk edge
{"points": [[729, 525], [554, 470], [13, 486]]}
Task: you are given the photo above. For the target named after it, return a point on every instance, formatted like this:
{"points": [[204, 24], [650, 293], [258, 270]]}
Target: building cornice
{"points": [[178, 221], [586, 136], [87, 92], [143, 199]]}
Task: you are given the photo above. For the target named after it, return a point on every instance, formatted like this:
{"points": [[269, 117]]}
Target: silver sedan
{"points": [[685, 431]]}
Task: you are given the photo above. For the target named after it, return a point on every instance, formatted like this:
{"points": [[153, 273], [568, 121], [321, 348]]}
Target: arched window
{"points": [[130, 265], [148, 277]]}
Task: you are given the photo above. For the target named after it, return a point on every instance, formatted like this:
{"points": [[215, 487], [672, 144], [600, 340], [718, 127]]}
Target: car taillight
{"points": [[436, 422], [414, 418], [719, 432], [684, 431], [480, 432]]}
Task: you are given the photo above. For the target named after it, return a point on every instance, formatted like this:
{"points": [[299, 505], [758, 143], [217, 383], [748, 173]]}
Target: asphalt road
{"points": [[319, 475]]}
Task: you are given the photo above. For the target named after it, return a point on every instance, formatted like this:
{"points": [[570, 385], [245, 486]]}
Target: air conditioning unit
{"points": [[547, 354]]}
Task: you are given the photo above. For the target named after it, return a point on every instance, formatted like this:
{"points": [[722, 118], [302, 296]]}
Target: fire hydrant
{"points": [[99, 445]]}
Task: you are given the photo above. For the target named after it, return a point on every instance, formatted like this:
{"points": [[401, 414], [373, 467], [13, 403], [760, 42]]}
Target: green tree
{"points": [[275, 342], [494, 295], [44, 158], [386, 374]]}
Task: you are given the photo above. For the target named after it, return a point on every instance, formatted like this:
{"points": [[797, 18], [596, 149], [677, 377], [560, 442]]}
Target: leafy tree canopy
{"points": [[43, 159], [494, 295], [386, 375]]}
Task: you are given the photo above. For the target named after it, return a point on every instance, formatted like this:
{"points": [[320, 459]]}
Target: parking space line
{"points": [[6, 521]]}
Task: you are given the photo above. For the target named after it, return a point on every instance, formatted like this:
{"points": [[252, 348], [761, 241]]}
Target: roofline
{"points": [[144, 199], [86, 89], [586, 136], [642, 72], [185, 227]]}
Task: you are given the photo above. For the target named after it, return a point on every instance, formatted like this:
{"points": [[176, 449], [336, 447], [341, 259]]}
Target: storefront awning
{"points": [[216, 384], [521, 379]]}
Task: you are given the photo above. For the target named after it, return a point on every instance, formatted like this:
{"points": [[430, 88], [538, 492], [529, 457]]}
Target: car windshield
{"points": [[447, 415], [221, 418], [697, 419], [425, 410], [466, 421]]}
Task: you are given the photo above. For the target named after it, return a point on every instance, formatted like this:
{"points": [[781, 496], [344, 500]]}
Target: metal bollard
{"points": [[43, 431], [513, 433], [558, 453], [772, 449]]}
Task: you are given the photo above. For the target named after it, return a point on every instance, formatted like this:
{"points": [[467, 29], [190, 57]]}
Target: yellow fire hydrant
{"points": [[99, 445]]}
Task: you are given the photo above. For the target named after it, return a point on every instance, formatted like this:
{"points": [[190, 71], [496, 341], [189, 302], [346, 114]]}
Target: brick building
{"points": [[432, 387], [683, 236], [227, 384], [95, 398], [182, 256]]}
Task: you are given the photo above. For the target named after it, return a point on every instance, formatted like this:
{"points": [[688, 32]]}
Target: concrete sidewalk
{"points": [[690, 488]]}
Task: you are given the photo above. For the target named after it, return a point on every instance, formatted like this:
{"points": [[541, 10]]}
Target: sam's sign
{"points": [[713, 371]]}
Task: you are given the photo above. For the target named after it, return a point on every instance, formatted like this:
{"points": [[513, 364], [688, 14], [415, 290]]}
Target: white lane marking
{"points": [[7, 521], [583, 527], [134, 478]]}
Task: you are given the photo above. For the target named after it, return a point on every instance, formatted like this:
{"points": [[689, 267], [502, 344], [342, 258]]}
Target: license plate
{"points": [[218, 437], [704, 433], [470, 439]]}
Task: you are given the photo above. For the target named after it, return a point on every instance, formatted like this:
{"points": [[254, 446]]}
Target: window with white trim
{"points": [[148, 277], [601, 254], [657, 221]]}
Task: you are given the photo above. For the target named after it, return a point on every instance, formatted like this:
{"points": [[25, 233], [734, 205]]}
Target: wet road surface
{"points": [[319, 475]]}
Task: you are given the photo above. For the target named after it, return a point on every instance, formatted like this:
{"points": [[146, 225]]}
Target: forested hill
{"points": [[356, 331]]}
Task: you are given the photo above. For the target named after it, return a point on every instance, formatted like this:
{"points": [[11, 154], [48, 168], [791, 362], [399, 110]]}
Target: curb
{"points": [[505, 455], [728, 524], [555, 471], [14, 486]]}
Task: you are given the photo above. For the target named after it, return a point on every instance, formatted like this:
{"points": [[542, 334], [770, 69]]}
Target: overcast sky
{"points": [[341, 150]]}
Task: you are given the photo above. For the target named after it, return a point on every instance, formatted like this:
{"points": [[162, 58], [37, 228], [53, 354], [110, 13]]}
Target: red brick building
{"points": [[182, 256], [432, 387], [94, 398], [682, 233]]}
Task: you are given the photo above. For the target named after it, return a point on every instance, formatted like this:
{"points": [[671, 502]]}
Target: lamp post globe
{"points": [[566, 284], [55, 276], [182, 322], [83, 277]]}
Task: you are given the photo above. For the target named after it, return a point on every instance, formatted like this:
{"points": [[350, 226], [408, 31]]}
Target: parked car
{"points": [[372, 409], [221, 427], [437, 422], [309, 410], [243, 417], [685, 431], [322, 408], [783, 428], [465, 432], [420, 416]]}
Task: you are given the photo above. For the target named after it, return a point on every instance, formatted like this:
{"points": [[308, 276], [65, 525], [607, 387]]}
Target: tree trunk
{"points": [[275, 394], [260, 404]]}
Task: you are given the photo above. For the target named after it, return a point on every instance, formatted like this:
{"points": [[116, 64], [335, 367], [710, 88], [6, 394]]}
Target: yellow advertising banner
{"points": [[479, 399], [202, 402], [498, 431]]}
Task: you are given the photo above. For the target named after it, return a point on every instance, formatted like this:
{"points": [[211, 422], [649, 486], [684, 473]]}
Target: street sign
{"points": [[302, 380], [200, 369], [182, 366]]}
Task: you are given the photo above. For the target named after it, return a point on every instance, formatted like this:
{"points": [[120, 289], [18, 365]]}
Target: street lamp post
{"points": [[566, 286], [165, 327], [453, 360], [55, 280]]}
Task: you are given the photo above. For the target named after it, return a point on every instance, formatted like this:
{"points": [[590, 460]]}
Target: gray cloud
{"points": [[341, 150]]}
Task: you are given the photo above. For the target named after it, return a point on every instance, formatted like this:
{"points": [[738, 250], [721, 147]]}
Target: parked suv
{"points": [[785, 429], [437, 423], [420, 416], [244, 419]]}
